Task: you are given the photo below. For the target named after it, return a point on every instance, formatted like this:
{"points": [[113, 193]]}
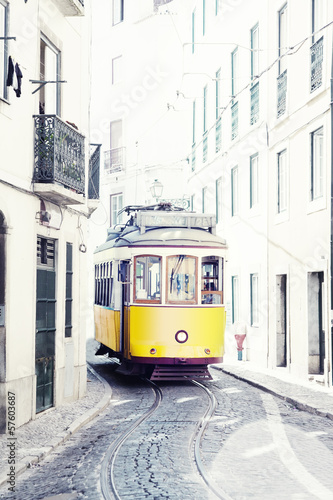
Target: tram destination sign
{"points": [[172, 219]]}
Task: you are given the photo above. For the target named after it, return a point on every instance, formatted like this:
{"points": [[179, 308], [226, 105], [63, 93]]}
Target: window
{"points": [[103, 284], [118, 11], [49, 94], [115, 157], [235, 299], [147, 270], [217, 6], [254, 180], [204, 197], [282, 182], [205, 90], [193, 31], [317, 166], [234, 73], [234, 191], [217, 93], [317, 19], [193, 122], [283, 39], [182, 279], [218, 189], [212, 280], [203, 17], [192, 201], [255, 51], [116, 204], [254, 299], [3, 48], [117, 70], [69, 290]]}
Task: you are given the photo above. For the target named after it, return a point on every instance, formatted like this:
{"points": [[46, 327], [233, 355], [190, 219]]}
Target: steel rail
{"points": [[196, 442], [107, 470]]}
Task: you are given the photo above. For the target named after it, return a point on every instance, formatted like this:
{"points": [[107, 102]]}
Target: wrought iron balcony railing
{"points": [[59, 153], [282, 93], [205, 147], [254, 103], [218, 135], [316, 51], [114, 160], [71, 7], [94, 169], [234, 121]]}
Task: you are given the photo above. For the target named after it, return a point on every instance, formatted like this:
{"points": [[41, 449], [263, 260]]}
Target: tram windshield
{"points": [[147, 278], [181, 279]]}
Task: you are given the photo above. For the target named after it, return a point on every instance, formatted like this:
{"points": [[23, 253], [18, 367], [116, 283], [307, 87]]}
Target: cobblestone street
{"points": [[255, 446]]}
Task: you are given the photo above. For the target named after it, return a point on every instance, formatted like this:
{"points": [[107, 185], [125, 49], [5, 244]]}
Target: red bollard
{"points": [[240, 339]]}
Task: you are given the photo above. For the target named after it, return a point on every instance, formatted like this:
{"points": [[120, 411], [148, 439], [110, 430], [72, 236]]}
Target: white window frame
{"points": [[254, 294], [282, 182], [117, 12], [117, 69], [235, 299], [317, 164], [3, 49], [254, 180], [234, 191], [116, 204]]}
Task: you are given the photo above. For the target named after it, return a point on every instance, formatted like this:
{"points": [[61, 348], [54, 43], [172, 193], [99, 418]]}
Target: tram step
{"points": [[171, 372]]}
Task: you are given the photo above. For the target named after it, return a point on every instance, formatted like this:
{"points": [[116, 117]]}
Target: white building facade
{"points": [[235, 96], [45, 186]]}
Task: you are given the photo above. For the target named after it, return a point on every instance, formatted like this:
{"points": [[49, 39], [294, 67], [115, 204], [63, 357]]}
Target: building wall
{"points": [[20, 204]]}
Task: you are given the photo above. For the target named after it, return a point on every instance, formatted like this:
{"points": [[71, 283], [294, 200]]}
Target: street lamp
{"points": [[156, 189]]}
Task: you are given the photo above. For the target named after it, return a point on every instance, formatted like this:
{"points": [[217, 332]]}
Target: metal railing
{"points": [[234, 121], [193, 157], [254, 103], [94, 170], [218, 135], [316, 52], [114, 160], [205, 147], [59, 153], [282, 93]]}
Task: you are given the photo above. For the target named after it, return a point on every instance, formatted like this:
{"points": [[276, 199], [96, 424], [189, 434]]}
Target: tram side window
{"points": [[212, 280], [147, 269], [103, 284], [182, 279]]}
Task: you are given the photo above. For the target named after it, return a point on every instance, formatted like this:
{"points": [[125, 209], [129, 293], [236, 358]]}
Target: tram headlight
{"points": [[152, 351], [181, 336], [207, 351]]}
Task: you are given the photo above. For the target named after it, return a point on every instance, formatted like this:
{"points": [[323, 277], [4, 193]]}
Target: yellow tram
{"points": [[159, 293]]}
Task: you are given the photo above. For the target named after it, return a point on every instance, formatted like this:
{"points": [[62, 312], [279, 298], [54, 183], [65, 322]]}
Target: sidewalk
{"points": [[38, 438], [304, 396]]}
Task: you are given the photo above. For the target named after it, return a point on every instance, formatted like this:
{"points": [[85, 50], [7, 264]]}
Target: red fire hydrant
{"points": [[240, 339]]}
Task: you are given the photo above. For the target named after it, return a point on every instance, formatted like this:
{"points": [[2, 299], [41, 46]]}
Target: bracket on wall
{"points": [[44, 82]]}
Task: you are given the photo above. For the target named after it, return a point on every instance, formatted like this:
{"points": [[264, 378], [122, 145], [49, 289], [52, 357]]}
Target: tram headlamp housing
{"points": [[181, 336], [152, 351], [207, 351]]}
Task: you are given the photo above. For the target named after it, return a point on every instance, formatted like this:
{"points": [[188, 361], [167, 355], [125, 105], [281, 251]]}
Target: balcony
{"points": [[94, 168], [70, 7], [234, 121], [282, 94], [59, 169], [114, 160], [254, 103], [316, 52], [218, 135], [205, 147]]}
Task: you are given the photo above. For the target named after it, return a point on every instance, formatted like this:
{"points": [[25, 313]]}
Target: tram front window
{"points": [[181, 279], [211, 280], [147, 269]]}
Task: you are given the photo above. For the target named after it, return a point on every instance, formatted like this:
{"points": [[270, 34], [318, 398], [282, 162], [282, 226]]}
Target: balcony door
{"points": [[49, 94]]}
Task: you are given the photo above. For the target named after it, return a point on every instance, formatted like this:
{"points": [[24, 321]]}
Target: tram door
{"points": [[45, 323], [124, 277]]}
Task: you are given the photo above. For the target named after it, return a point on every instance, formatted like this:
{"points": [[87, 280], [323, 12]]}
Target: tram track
{"points": [[196, 443], [108, 486]]}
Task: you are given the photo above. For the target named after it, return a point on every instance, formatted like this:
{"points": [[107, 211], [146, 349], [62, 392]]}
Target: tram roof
{"points": [[164, 237]]}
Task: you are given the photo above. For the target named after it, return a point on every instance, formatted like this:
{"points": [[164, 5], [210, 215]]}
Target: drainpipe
{"points": [[331, 110]]}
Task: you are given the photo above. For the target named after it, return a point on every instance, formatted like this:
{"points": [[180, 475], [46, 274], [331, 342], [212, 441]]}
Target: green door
{"points": [[45, 338]]}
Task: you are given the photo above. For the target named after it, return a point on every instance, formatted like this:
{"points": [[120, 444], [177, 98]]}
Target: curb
{"points": [[304, 406], [56, 441]]}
